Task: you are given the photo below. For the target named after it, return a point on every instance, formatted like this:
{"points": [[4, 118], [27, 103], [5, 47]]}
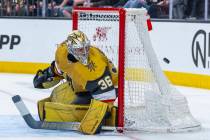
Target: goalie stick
{"points": [[31, 122]]}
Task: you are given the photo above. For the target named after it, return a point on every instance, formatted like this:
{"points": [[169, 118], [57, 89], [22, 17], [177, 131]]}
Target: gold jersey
{"points": [[98, 77]]}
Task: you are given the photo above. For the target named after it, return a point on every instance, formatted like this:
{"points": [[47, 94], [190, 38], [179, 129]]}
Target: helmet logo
{"points": [[74, 38]]}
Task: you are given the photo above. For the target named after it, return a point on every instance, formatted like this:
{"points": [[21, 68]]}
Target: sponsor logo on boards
{"points": [[201, 49], [9, 41]]}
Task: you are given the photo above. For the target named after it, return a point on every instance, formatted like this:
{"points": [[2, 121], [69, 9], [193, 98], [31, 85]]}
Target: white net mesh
{"points": [[151, 104]]}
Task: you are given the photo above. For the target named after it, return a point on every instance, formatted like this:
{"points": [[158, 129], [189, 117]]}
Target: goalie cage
{"points": [[146, 100]]}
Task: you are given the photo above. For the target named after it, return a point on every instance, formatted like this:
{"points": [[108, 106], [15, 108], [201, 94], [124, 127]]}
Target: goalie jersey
{"points": [[99, 77]]}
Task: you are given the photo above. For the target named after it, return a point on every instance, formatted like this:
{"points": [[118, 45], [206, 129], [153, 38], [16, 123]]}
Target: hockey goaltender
{"points": [[85, 86]]}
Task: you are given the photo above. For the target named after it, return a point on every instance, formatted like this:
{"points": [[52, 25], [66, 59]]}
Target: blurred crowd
{"points": [[182, 9]]}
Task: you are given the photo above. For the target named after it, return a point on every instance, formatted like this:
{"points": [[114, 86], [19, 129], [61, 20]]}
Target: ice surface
{"points": [[13, 127]]}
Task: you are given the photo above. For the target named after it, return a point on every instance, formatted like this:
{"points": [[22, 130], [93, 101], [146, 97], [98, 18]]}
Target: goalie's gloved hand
{"points": [[47, 75]]}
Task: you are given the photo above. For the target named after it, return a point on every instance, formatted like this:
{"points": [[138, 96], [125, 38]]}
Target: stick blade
{"points": [[16, 98]]}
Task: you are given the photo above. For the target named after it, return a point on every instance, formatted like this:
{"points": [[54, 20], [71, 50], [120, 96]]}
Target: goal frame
{"points": [[121, 53]]}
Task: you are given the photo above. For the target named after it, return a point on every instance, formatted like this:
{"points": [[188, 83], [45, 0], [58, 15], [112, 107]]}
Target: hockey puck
{"points": [[166, 60]]}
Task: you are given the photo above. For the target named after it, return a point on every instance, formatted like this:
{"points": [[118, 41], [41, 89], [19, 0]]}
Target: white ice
{"points": [[12, 126]]}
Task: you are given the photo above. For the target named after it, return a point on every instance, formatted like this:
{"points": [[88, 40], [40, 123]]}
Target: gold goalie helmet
{"points": [[78, 46]]}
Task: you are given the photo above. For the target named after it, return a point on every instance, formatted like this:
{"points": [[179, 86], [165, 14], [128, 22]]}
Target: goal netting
{"points": [[146, 100]]}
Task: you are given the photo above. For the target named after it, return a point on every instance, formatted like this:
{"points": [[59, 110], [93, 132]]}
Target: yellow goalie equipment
{"points": [[56, 108]]}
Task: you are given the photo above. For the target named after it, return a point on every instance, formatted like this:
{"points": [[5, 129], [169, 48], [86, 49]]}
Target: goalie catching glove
{"points": [[46, 78]]}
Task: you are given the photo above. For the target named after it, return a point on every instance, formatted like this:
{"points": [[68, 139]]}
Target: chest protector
{"points": [[94, 77]]}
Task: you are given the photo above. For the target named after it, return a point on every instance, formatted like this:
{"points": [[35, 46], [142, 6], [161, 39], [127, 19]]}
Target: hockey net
{"points": [[146, 100]]}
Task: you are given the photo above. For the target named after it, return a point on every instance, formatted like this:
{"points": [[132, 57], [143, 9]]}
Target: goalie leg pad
{"points": [[57, 112], [111, 118], [41, 107], [92, 121], [63, 94]]}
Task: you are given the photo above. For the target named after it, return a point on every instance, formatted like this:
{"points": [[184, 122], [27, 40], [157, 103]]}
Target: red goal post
{"points": [[121, 56]]}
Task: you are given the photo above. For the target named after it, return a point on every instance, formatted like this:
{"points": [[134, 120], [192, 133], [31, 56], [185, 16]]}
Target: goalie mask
{"points": [[78, 46]]}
